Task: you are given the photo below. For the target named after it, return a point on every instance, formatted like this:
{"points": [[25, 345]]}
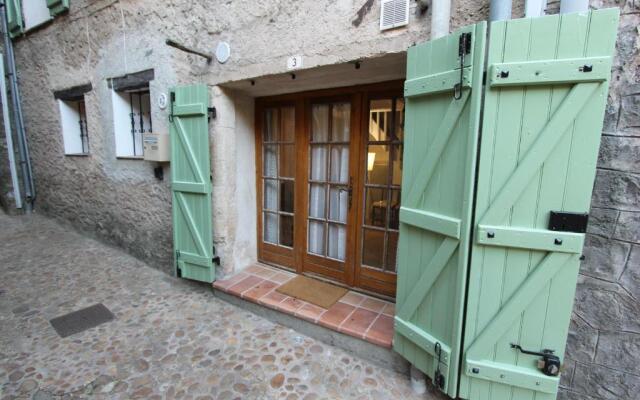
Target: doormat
{"points": [[81, 320], [313, 291]]}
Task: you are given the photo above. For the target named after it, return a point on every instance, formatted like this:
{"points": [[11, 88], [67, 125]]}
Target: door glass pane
{"points": [[338, 202], [270, 194], [340, 122], [320, 123], [270, 131], [286, 230], [287, 160], [270, 167], [278, 170], [329, 164], [379, 119], [339, 163], [288, 130], [286, 196], [375, 210], [377, 164], [382, 184], [270, 223], [318, 162], [373, 248], [317, 199], [337, 241], [396, 176], [316, 237], [392, 249]]}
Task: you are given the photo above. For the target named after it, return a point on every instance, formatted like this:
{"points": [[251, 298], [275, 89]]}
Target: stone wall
{"points": [[120, 201], [603, 352]]}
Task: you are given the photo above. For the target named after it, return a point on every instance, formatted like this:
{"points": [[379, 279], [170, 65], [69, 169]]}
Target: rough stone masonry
{"points": [[119, 200]]}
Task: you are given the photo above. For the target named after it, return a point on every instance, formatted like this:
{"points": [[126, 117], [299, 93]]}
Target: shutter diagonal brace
{"points": [[549, 137]]}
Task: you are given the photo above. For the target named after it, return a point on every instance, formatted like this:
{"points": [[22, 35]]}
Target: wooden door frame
{"points": [[294, 259]]}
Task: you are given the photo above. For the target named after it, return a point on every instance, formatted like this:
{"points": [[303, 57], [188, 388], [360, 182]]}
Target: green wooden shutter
{"points": [[546, 91], [438, 174], [15, 23], [57, 7], [191, 182]]}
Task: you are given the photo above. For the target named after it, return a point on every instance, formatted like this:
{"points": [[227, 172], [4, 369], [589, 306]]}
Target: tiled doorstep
{"points": [[354, 314]]}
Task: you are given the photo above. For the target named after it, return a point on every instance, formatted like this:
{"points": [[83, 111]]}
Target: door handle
{"points": [[349, 190]]}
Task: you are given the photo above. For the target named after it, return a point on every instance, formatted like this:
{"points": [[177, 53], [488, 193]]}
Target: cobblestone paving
{"points": [[171, 338]]}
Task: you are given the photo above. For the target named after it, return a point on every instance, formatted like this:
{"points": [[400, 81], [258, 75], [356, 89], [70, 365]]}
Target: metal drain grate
{"points": [[81, 320]]}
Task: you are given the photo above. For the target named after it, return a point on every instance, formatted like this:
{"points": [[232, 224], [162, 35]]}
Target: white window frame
{"points": [[130, 144], [72, 117]]}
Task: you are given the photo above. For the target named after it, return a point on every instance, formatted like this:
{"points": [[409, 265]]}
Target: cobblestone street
{"points": [[170, 338]]}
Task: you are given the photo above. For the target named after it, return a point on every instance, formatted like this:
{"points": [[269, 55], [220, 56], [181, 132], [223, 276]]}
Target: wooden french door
{"points": [[329, 167], [332, 143]]}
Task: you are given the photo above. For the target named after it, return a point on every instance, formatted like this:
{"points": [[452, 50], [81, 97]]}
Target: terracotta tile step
{"points": [[355, 314]]}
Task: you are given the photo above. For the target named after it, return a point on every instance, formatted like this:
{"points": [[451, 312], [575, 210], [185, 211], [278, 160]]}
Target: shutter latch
{"points": [[550, 363], [464, 48]]}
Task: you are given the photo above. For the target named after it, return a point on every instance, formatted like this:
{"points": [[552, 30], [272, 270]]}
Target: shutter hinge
{"points": [[215, 259], [438, 377], [211, 111], [464, 44], [464, 48], [172, 99]]}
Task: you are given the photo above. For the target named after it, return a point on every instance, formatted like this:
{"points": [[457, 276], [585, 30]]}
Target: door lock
{"points": [[550, 363]]}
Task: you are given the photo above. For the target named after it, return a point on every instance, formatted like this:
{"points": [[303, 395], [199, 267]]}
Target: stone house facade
{"points": [[119, 200]]}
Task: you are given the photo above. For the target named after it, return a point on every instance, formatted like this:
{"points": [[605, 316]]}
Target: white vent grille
{"points": [[394, 13]]}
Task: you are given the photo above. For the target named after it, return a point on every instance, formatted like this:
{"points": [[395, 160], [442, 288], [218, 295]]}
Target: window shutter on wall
{"points": [[15, 23], [191, 183], [57, 7]]}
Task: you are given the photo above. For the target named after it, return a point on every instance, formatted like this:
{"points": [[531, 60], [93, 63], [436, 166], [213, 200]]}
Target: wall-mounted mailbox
{"points": [[156, 147]]}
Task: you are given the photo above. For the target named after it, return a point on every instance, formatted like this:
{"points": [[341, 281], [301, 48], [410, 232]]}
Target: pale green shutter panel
{"points": [[15, 23], [438, 174], [57, 7], [191, 182], [546, 91]]}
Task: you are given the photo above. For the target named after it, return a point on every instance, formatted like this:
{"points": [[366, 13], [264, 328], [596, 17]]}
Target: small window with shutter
{"points": [[131, 112], [73, 119]]}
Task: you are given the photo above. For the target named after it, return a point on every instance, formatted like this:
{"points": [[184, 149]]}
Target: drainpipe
{"points": [[23, 148], [7, 131], [440, 16], [500, 10], [534, 8], [569, 6]]}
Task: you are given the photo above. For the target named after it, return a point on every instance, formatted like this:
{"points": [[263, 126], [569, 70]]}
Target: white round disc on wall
{"points": [[223, 51], [162, 101]]}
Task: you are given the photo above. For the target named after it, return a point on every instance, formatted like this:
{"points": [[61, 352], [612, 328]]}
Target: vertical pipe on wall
{"points": [[569, 6], [7, 131], [440, 16], [534, 8], [23, 148], [500, 10]]}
